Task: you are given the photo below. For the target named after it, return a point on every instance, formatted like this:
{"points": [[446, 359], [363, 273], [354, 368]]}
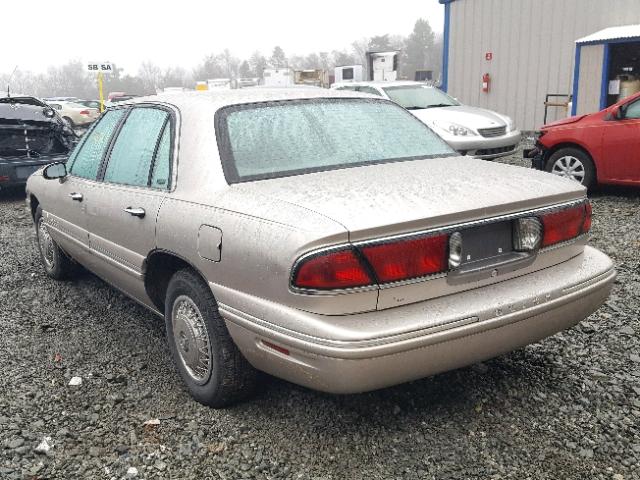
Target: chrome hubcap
{"points": [[192, 339], [46, 244], [569, 167]]}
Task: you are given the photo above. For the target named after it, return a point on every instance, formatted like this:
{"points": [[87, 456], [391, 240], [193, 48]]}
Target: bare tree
{"points": [[151, 76], [258, 63]]}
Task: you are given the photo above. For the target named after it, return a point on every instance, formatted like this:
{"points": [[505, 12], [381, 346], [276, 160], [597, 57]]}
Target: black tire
{"points": [[56, 263], [580, 159], [226, 377], [70, 122]]}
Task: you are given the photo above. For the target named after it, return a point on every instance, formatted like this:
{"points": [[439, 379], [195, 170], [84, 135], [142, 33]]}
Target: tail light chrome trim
{"points": [[444, 230]]}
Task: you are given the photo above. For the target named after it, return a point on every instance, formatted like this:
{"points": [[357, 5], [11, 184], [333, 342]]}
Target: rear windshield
{"points": [[278, 139]]}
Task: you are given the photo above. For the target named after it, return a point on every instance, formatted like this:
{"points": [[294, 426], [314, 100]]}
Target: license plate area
{"points": [[24, 172], [487, 251], [486, 242]]}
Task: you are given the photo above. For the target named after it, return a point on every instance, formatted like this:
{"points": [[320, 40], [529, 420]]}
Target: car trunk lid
{"points": [[394, 198]]}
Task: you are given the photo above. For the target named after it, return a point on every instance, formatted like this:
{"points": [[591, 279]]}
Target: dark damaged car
{"points": [[32, 134]]}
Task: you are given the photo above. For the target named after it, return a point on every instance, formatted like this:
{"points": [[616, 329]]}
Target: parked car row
{"points": [[326, 237]]}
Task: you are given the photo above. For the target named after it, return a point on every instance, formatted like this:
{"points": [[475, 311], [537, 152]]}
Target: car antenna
{"points": [[9, 81]]}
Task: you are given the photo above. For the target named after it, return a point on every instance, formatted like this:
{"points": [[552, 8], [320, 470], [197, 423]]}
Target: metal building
{"points": [[508, 55]]}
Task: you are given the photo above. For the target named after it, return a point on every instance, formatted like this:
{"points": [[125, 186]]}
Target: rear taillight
{"points": [[566, 224], [333, 270], [586, 226], [84, 112], [387, 262], [420, 256], [407, 259]]}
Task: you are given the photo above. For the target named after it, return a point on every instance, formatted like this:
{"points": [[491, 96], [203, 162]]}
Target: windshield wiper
{"points": [[438, 105], [414, 108]]}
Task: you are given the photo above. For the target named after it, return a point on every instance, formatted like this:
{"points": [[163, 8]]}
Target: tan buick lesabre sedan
{"points": [[327, 238]]}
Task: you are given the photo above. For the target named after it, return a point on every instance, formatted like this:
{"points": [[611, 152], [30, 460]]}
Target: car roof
{"points": [[222, 98]]}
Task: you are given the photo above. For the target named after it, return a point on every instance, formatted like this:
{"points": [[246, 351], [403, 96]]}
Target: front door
{"points": [[621, 145], [135, 180], [68, 202]]}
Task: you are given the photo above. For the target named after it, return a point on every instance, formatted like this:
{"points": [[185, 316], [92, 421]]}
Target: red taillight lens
{"points": [[566, 224], [586, 226], [341, 269], [84, 112], [408, 258]]}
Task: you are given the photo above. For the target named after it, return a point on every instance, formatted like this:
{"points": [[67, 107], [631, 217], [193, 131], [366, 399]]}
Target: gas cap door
{"points": [[210, 243]]}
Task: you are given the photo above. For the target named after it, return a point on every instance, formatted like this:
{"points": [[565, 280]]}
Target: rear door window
{"points": [[161, 170], [134, 149], [86, 162]]}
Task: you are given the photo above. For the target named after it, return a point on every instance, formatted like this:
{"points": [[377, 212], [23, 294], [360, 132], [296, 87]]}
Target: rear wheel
{"points": [[69, 121], [206, 357], [56, 263], [574, 164]]}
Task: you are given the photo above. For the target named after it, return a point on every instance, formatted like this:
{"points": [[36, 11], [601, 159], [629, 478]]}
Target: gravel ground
{"points": [[566, 408]]}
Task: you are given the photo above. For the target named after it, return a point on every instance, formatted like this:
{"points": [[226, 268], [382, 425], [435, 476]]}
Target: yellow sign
{"points": [[100, 92]]}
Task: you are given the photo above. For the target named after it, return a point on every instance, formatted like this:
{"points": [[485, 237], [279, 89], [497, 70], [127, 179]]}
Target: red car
{"points": [[598, 148]]}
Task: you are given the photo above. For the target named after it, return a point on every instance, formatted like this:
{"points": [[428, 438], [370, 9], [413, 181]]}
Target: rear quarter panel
{"points": [[257, 254]]}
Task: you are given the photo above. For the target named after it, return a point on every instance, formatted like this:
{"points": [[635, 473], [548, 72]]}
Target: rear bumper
{"points": [[15, 172], [497, 319]]}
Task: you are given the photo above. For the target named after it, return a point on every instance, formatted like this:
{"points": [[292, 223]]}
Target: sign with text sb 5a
{"points": [[100, 67]]}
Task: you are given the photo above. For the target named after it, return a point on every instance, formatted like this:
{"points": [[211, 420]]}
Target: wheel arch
{"points": [[34, 203], [159, 266], [550, 151]]}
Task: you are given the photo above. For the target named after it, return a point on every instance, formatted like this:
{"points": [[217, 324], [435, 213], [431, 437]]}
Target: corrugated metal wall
{"points": [[590, 78], [533, 46]]}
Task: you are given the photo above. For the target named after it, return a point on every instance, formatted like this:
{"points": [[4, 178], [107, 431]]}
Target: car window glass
{"points": [[370, 90], [133, 150], [419, 96], [88, 159], [162, 162], [286, 138], [633, 110]]}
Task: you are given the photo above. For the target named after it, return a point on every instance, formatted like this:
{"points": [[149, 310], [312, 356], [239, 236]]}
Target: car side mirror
{"points": [[615, 113], [55, 170]]}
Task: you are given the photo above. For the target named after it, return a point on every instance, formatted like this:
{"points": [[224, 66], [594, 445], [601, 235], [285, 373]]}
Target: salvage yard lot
{"points": [[567, 407]]}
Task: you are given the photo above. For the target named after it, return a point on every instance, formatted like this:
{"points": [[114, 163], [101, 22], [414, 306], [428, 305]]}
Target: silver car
{"points": [[326, 238], [473, 131]]}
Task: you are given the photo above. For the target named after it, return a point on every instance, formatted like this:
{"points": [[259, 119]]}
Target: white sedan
{"points": [[469, 130]]}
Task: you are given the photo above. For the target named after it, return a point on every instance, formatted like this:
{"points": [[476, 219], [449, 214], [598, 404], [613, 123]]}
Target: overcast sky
{"points": [[38, 33]]}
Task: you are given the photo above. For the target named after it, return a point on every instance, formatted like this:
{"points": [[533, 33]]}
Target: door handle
{"points": [[76, 196], [136, 212]]}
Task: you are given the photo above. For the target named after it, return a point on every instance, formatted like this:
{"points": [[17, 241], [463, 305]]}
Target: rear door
{"points": [[621, 145], [67, 201], [135, 180]]}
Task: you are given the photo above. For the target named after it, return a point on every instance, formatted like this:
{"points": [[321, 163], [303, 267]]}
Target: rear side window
{"points": [[90, 152], [134, 149], [162, 162]]}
